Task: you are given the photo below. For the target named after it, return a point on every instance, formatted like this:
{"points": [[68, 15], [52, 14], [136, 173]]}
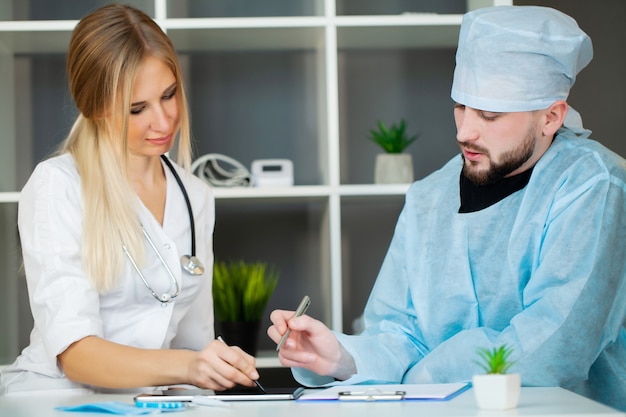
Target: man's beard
{"points": [[509, 162]]}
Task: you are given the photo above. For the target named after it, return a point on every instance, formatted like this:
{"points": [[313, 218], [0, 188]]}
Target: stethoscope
{"points": [[190, 263]]}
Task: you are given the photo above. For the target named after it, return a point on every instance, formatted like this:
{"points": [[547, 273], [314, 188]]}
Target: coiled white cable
{"points": [[221, 171]]}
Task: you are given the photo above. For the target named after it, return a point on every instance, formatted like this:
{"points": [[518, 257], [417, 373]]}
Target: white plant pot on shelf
{"points": [[497, 391], [393, 168]]}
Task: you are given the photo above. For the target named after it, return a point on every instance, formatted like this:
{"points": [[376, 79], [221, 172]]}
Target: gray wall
{"points": [[601, 87]]}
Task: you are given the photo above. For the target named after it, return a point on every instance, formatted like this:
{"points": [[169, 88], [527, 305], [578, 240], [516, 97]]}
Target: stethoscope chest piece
{"points": [[192, 265]]}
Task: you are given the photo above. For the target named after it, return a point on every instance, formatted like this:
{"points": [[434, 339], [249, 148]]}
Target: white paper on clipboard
{"points": [[433, 392]]}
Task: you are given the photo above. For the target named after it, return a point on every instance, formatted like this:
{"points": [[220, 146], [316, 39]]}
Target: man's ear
{"points": [[554, 117]]}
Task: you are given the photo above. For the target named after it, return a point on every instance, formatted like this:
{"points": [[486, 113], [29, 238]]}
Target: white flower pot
{"points": [[393, 168], [496, 391]]}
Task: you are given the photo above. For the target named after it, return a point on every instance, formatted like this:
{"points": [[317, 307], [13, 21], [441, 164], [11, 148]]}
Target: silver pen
{"points": [[304, 304]]}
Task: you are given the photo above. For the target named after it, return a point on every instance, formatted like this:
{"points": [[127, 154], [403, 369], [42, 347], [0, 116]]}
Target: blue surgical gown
{"points": [[542, 271]]}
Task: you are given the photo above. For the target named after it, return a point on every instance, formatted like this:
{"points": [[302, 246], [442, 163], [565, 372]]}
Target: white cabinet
{"points": [[297, 79]]}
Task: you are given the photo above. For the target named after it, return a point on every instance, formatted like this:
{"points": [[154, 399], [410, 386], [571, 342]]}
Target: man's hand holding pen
{"points": [[304, 342]]}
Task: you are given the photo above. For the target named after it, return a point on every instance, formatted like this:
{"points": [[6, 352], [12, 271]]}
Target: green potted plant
{"points": [[496, 389], [241, 291], [393, 166]]}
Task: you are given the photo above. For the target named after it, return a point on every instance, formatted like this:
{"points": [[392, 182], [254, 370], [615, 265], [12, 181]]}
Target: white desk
{"points": [[533, 402]]}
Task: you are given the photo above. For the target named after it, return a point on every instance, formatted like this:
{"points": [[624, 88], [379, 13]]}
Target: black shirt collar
{"points": [[475, 197]]}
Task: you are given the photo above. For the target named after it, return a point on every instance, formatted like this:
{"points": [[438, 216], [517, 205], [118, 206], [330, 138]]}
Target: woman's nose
{"points": [[162, 121]]}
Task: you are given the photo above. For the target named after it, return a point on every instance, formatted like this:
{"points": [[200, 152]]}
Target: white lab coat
{"points": [[65, 305]]}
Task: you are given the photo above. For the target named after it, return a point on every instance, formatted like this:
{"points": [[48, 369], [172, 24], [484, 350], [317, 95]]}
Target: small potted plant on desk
{"points": [[393, 166], [496, 390], [241, 292]]}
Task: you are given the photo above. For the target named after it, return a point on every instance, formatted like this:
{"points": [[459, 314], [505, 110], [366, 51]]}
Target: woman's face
{"points": [[154, 116]]}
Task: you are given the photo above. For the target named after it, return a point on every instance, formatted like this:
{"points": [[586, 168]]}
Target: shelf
{"points": [[366, 190], [405, 31], [236, 34], [307, 192], [302, 80], [243, 23], [297, 192], [244, 8], [304, 191], [45, 36], [11, 197], [239, 34]]}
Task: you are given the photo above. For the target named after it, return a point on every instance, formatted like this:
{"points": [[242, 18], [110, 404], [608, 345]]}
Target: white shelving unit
{"points": [[297, 79]]}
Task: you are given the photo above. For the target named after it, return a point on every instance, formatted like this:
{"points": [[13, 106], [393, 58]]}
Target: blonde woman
{"points": [[109, 227]]}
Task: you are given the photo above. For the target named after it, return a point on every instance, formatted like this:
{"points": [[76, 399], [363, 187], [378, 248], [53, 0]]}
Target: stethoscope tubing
{"points": [[192, 224], [192, 261], [165, 297]]}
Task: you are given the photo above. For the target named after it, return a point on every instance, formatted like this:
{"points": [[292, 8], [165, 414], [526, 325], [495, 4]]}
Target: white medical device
{"points": [[272, 173]]}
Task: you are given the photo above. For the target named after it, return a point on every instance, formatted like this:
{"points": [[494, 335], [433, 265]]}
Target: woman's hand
{"points": [[112, 365], [219, 367], [310, 345]]}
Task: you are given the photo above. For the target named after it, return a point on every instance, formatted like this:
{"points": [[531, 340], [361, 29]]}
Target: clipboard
{"points": [[371, 395], [388, 392]]}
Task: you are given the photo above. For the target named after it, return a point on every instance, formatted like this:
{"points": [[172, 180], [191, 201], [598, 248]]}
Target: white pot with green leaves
{"points": [[496, 390], [393, 166], [241, 291]]}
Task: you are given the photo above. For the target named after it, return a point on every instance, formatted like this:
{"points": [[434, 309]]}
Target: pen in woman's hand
{"points": [[259, 386]]}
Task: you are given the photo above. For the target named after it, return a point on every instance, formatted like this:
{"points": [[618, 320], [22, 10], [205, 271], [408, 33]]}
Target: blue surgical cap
{"points": [[517, 58]]}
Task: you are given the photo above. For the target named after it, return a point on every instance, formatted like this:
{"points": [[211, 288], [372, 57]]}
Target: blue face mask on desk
{"points": [[112, 407]]}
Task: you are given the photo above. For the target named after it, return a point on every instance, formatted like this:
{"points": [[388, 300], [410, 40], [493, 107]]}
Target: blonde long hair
{"points": [[106, 49]]}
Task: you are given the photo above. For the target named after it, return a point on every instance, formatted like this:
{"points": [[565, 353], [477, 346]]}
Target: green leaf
{"points": [[242, 290], [393, 139], [496, 360]]}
